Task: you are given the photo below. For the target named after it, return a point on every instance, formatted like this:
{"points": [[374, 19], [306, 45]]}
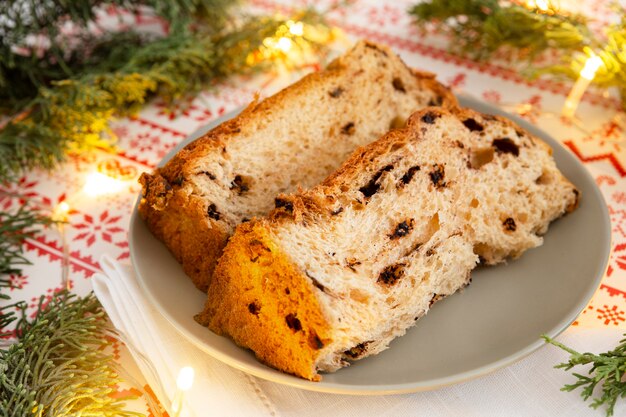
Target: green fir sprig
{"points": [[608, 370], [60, 366], [35, 50], [483, 28], [73, 114], [15, 227]]}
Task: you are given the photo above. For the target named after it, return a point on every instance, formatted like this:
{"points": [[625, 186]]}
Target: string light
{"points": [[98, 183], [60, 215], [284, 44], [296, 28], [548, 7], [184, 383], [587, 74]]}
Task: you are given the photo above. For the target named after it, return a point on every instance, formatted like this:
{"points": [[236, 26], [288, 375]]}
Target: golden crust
{"points": [[260, 299]]}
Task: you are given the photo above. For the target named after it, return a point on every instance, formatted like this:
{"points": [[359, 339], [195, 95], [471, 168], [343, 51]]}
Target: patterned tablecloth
{"points": [[98, 224]]}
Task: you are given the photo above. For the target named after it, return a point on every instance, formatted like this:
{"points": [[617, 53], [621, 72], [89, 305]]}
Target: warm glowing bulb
{"points": [[591, 67], [185, 378], [297, 29], [63, 208], [61, 211], [542, 5], [284, 44], [98, 184]]}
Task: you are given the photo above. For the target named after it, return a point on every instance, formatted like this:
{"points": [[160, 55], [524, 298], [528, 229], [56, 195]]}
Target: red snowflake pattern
{"points": [[17, 282], [144, 142], [611, 315], [386, 15], [618, 220], [619, 197], [23, 188], [104, 227]]}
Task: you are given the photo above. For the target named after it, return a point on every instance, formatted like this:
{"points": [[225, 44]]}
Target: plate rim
{"points": [[267, 373]]}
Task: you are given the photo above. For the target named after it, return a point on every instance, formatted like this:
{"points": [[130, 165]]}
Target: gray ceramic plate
{"points": [[496, 321]]}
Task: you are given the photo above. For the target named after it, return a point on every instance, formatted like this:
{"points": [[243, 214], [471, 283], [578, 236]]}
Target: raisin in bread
{"points": [[338, 271], [294, 138]]}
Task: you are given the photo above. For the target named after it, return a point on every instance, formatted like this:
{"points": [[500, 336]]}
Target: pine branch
{"points": [[35, 52], [482, 28], [73, 114], [15, 227], [607, 370], [59, 366]]}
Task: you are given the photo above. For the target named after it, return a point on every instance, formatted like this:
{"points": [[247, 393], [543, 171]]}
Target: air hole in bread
{"points": [[505, 145], [391, 274], [398, 85], [357, 351], [178, 180], [208, 174], [348, 128], [509, 224], [254, 308], [474, 203], [429, 118], [336, 92], [336, 211], [437, 176], [402, 229], [212, 212], [293, 322], [481, 157], [239, 184], [372, 187], [315, 282], [397, 122], [473, 125]]}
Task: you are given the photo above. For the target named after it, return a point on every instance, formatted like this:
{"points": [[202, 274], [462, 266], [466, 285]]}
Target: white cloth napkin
{"points": [[531, 387]]}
